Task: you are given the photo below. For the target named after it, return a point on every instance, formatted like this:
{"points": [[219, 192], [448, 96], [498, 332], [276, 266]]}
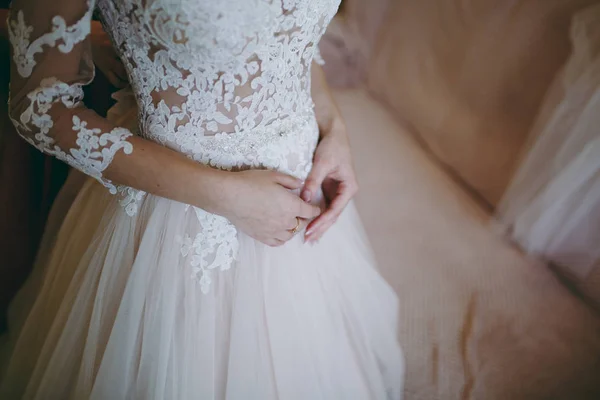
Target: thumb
{"points": [[314, 181], [287, 181]]}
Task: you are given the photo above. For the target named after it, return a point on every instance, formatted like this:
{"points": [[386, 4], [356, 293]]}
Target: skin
{"points": [[260, 203], [105, 58], [333, 169]]}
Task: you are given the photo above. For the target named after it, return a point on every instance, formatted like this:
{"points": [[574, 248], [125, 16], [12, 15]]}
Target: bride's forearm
{"points": [[161, 171], [327, 112]]}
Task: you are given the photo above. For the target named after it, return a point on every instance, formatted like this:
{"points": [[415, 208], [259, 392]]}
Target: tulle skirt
{"points": [[112, 312]]}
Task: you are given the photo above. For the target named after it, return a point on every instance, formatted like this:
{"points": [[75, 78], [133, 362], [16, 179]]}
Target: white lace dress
{"points": [[141, 297]]}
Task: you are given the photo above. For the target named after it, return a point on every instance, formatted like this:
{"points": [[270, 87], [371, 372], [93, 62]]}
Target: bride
{"points": [[212, 254]]}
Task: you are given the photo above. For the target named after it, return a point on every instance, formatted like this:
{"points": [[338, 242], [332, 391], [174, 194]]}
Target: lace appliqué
{"points": [[228, 85], [215, 247], [205, 68], [273, 147], [225, 83], [96, 149], [24, 51], [130, 199]]}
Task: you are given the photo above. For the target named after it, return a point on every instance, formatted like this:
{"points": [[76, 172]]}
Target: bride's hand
{"points": [[333, 172], [260, 203]]}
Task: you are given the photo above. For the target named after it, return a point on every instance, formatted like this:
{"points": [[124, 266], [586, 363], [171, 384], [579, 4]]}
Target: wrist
{"points": [[211, 189], [334, 125]]}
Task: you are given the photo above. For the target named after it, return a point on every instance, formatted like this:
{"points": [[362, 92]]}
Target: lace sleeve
{"points": [[51, 62]]}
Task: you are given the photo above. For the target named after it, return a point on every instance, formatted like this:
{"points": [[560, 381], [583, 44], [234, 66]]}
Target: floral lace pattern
{"points": [[214, 247], [95, 149], [201, 68], [130, 199], [227, 83], [34, 113], [24, 50]]}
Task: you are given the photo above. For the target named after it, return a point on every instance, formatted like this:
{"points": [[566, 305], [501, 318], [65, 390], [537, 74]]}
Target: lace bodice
{"points": [[198, 68], [226, 82], [204, 67]]}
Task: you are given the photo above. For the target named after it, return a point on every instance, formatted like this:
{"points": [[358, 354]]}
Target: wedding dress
{"points": [[141, 297]]}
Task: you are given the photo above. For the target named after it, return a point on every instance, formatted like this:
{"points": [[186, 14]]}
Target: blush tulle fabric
{"points": [[117, 316], [115, 309], [112, 312]]}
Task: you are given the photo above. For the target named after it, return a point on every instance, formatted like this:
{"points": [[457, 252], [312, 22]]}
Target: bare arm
{"points": [[333, 170], [327, 112]]}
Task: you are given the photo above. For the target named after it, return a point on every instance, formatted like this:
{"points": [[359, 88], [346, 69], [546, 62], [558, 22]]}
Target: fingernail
{"points": [[309, 232], [306, 195]]}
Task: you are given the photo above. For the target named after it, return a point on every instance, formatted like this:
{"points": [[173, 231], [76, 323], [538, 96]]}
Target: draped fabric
{"points": [[552, 208], [29, 183], [351, 40], [145, 297], [469, 77], [504, 95]]}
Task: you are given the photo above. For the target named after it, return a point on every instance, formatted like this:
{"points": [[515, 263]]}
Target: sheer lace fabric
{"points": [[225, 83], [51, 63], [198, 68], [112, 312]]}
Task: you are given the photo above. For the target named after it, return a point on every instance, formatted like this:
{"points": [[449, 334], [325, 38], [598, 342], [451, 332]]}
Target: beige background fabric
{"points": [[478, 319], [552, 207], [476, 82], [350, 40], [469, 77]]}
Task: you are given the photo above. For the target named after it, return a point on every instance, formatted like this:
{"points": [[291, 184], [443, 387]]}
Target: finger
{"points": [[327, 219], [284, 236], [288, 234], [320, 230], [318, 227], [299, 227], [308, 211], [287, 181], [274, 242], [321, 224], [293, 223], [315, 180]]}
